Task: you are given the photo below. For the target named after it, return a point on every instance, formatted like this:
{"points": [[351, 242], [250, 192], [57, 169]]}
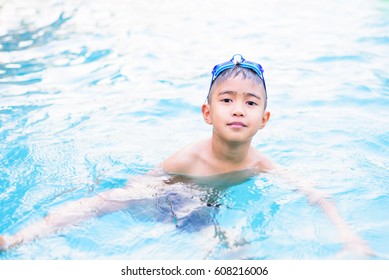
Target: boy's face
{"points": [[236, 109]]}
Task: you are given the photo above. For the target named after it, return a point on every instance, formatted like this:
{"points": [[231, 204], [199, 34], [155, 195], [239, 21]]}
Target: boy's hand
{"points": [[2, 244], [354, 246]]}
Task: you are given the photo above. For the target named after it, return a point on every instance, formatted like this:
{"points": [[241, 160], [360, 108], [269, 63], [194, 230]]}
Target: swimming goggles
{"points": [[238, 59]]}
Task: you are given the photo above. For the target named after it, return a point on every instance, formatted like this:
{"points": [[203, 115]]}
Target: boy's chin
{"points": [[237, 139]]}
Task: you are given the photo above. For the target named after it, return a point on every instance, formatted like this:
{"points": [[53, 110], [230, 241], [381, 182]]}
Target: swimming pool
{"points": [[91, 95]]}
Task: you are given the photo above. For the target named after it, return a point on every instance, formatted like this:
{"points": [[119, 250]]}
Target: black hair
{"points": [[235, 71]]}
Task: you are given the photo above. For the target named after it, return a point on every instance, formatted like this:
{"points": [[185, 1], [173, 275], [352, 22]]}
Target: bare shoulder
{"points": [[182, 162], [262, 162]]}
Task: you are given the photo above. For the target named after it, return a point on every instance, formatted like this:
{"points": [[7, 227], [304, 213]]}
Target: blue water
{"points": [[94, 94]]}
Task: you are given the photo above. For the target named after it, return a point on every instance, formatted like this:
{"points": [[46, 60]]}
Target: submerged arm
{"points": [[350, 239], [71, 213], [76, 212]]}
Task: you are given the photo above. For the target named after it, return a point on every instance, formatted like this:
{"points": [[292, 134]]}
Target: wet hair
{"points": [[237, 70]]}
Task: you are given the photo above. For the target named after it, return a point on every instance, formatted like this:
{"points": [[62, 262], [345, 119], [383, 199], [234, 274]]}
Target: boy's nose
{"points": [[238, 111]]}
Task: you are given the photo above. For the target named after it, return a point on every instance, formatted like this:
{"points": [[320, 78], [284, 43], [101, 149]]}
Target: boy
{"points": [[236, 109]]}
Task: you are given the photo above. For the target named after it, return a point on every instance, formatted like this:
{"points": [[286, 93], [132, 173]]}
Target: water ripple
{"points": [[22, 40]]}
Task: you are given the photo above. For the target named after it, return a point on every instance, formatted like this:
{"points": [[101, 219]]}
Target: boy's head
{"points": [[237, 66], [236, 105]]}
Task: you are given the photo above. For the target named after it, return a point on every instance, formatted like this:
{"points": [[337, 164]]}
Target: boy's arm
{"points": [[351, 240], [71, 213], [75, 212]]}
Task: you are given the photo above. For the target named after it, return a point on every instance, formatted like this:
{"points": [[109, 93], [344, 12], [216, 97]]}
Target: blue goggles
{"points": [[237, 59]]}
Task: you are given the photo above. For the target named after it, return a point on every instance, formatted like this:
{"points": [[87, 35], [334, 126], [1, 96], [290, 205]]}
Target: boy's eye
{"points": [[226, 100], [251, 103]]}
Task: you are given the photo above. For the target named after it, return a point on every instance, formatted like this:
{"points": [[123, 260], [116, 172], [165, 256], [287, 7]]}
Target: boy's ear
{"points": [[265, 118], [206, 110]]}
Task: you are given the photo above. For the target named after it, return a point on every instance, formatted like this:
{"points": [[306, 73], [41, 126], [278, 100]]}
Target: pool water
{"points": [[94, 94]]}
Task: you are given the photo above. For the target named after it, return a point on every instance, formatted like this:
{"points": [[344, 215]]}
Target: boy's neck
{"points": [[234, 153]]}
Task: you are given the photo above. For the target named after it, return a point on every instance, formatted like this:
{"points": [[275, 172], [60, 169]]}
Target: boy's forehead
{"points": [[238, 85]]}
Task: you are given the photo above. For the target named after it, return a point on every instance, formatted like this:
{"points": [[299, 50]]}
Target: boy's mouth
{"points": [[236, 124]]}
